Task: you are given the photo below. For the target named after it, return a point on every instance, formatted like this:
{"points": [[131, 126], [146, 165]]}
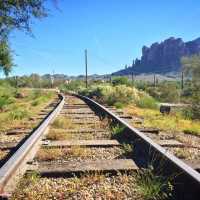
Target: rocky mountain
{"points": [[162, 57]]}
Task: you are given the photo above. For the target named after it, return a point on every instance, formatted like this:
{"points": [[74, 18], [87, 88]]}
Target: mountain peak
{"points": [[163, 57]]}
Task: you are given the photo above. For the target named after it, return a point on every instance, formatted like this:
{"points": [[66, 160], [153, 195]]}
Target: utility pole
{"points": [[86, 75], [16, 81], [132, 78], [52, 79], [154, 80], [182, 81]]}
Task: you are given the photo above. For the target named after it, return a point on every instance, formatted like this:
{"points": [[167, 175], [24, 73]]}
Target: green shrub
{"points": [[36, 102], [40, 100], [155, 92], [187, 113], [110, 95], [74, 85], [5, 101], [147, 102], [117, 130], [120, 81], [19, 114], [153, 187], [7, 94], [36, 94], [165, 92], [141, 85], [119, 105], [128, 150], [7, 90], [192, 131]]}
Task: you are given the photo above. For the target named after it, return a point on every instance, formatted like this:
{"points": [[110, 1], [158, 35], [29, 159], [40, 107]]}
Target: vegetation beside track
{"points": [[174, 122], [139, 103], [142, 100], [18, 106]]}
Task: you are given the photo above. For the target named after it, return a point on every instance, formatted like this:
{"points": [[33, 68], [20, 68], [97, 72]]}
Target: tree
{"points": [[191, 67], [16, 14], [6, 61]]}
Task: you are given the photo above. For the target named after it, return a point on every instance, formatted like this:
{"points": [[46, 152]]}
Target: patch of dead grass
{"points": [[182, 153], [3, 154], [63, 123], [49, 154], [74, 100], [58, 134], [77, 151], [88, 186]]}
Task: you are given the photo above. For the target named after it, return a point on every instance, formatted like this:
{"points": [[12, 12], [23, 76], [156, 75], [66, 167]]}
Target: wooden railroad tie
{"points": [[85, 143], [73, 167]]}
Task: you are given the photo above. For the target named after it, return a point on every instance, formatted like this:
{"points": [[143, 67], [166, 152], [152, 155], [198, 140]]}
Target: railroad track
{"points": [[79, 151], [14, 136]]}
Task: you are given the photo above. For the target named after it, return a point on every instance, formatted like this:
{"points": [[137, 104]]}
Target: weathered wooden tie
{"points": [[126, 117], [170, 143], [149, 130], [86, 143], [18, 131], [7, 145], [73, 167], [84, 122], [85, 130], [195, 164], [77, 113]]}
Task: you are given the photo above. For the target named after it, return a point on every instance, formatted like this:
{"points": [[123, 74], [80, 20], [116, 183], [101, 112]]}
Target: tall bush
{"points": [[191, 67]]}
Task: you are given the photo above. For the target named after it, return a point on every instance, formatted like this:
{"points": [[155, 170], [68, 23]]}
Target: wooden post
{"points": [[16, 81], [154, 80], [182, 81], [52, 79], [86, 75], [132, 78]]}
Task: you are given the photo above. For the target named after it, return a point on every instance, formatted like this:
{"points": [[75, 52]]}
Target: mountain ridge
{"points": [[163, 57]]}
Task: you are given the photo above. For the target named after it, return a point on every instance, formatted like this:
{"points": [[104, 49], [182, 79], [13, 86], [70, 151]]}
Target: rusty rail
{"points": [[145, 150], [10, 167], [187, 178]]}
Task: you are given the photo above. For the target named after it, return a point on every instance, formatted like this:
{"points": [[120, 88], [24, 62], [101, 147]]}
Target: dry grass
{"points": [[62, 123], [105, 123], [74, 100], [172, 122], [3, 154], [91, 186], [182, 153], [59, 123], [16, 113], [49, 154], [58, 134], [76, 151]]}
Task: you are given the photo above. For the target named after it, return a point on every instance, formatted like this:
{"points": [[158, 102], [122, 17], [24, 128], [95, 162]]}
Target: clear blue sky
{"points": [[113, 31]]}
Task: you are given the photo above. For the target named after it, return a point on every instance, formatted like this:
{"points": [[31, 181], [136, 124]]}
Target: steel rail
{"points": [[9, 168], [192, 176], [191, 185]]}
